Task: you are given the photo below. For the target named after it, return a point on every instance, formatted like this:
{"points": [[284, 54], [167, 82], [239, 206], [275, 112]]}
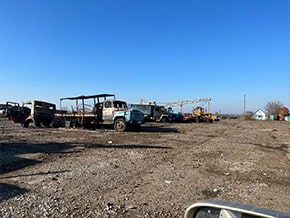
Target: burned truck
{"points": [[32, 113], [94, 111], [153, 112]]}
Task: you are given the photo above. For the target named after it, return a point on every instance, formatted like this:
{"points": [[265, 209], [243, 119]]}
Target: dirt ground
{"points": [[157, 172]]}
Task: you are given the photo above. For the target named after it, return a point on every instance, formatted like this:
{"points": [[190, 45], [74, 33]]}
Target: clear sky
{"points": [[161, 50]]}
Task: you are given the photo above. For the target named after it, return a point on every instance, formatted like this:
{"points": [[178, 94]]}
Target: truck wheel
{"points": [[29, 124], [120, 125], [74, 124], [26, 123], [164, 120], [45, 123], [209, 120]]}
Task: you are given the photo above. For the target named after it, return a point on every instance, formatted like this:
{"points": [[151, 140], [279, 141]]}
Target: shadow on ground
{"points": [[12, 159], [157, 129], [126, 146], [10, 154], [8, 191], [35, 174]]}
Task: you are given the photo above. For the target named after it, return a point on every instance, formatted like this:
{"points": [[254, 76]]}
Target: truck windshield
{"points": [[120, 104], [161, 109]]}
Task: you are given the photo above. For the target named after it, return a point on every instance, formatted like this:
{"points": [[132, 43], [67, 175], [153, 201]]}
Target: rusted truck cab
{"points": [[32, 113]]}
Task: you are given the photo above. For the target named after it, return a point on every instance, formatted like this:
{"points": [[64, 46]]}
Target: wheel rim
{"points": [[120, 125]]}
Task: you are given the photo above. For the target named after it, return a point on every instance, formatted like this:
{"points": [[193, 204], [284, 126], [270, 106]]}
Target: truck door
{"points": [[157, 113], [108, 111]]}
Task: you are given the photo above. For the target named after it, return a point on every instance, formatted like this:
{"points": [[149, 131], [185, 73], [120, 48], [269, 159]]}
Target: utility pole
{"points": [[208, 107], [244, 104]]}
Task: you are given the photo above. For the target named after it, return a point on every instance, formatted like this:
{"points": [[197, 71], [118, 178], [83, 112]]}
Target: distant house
{"points": [[259, 115]]}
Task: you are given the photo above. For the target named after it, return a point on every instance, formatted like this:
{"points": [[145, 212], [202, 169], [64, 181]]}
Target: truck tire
{"points": [[26, 123], [164, 120], [120, 125], [74, 124], [30, 123], [45, 122], [209, 120]]}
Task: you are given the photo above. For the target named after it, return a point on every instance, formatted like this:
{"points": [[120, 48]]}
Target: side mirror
{"points": [[226, 209]]}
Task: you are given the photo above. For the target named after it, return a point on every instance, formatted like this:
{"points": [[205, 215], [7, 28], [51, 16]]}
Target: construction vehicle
{"points": [[167, 113], [200, 115], [184, 102], [176, 117], [153, 112], [216, 117], [197, 114], [93, 111], [32, 113]]}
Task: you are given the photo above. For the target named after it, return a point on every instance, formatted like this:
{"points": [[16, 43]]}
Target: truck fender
{"points": [[31, 122], [164, 119]]}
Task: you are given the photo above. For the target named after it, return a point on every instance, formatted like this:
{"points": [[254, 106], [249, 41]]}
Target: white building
{"points": [[259, 115]]}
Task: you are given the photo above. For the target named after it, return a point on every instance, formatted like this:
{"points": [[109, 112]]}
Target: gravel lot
{"points": [[157, 172]]}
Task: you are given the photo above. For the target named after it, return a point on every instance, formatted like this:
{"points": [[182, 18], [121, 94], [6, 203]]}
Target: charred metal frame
{"points": [[82, 113]]}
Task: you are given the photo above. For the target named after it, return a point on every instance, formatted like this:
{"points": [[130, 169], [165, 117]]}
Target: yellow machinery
{"points": [[202, 116], [198, 113]]}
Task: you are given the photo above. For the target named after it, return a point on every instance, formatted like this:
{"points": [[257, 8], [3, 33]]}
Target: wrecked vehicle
{"points": [[2, 109], [93, 111], [32, 113], [153, 112]]}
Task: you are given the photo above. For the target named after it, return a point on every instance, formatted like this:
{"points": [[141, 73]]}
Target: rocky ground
{"points": [[157, 172]]}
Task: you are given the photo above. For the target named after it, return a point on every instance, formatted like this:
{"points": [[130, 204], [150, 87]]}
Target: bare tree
{"points": [[272, 107]]}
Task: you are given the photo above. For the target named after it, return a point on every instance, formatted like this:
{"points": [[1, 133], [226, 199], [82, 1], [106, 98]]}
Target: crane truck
{"points": [[198, 114]]}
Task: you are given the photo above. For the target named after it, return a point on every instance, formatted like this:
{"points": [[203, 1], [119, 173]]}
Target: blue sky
{"points": [[161, 50]]}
